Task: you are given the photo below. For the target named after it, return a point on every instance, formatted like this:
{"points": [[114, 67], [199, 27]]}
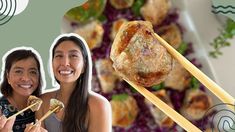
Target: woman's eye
{"points": [[34, 72], [74, 56], [18, 71], [58, 56]]}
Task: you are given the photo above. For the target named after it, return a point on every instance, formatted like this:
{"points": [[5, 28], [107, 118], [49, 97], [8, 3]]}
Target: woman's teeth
{"points": [[25, 86], [65, 72]]}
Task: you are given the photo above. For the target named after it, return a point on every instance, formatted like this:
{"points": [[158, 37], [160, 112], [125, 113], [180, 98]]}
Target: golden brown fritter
{"points": [[155, 11], [56, 105], [171, 34], [179, 78], [92, 32], [32, 100], [124, 112], [161, 118], [195, 105], [116, 26], [138, 56], [106, 74]]}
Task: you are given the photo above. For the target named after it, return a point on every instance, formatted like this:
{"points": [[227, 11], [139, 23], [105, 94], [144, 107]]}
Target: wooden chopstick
{"points": [[49, 113], [179, 119], [211, 85], [19, 112]]}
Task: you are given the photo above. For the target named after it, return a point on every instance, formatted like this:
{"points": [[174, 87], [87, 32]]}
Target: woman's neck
{"points": [[18, 101], [65, 92]]}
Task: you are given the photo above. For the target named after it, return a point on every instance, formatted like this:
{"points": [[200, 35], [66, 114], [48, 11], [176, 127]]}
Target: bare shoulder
{"points": [[97, 102], [99, 113], [48, 94]]}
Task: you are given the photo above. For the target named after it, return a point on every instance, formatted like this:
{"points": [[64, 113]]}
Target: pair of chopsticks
{"points": [[19, 112], [212, 86]]}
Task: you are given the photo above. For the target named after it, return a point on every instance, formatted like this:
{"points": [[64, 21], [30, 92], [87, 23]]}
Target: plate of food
{"points": [[99, 21]]}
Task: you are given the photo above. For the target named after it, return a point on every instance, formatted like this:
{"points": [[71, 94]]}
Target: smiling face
{"points": [[67, 62], [24, 77]]}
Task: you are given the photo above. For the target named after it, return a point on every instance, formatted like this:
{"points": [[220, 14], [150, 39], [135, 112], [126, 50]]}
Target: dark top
{"points": [[21, 120]]}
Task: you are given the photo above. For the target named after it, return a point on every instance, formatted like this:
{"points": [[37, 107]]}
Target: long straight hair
{"points": [[77, 109]]}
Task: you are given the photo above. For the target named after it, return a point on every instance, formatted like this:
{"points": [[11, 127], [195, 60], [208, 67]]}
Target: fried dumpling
{"points": [[32, 100], [171, 34], [179, 78], [138, 56], [160, 117], [106, 74], [92, 33], [116, 26], [155, 11], [196, 104], [124, 110], [56, 105]]}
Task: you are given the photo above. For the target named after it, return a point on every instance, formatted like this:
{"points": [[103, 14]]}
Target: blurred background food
{"points": [[98, 21]]}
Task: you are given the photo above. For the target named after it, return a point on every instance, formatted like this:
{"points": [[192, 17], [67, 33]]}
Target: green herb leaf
{"points": [[102, 18], [194, 84], [182, 48], [120, 97], [158, 87], [91, 10], [221, 41], [136, 7]]}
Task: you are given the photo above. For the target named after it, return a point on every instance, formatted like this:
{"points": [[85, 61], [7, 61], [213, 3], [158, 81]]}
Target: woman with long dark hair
{"points": [[84, 110], [22, 76]]}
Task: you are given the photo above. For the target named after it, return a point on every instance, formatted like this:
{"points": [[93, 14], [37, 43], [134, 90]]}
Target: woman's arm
{"points": [[100, 114]]}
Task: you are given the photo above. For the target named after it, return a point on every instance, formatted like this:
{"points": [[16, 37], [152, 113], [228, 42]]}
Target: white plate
{"points": [[201, 28], [204, 25]]}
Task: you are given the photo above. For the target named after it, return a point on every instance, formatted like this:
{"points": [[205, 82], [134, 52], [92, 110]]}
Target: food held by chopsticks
{"points": [[124, 110], [34, 100], [55, 106], [33, 103], [141, 60], [138, 56]]}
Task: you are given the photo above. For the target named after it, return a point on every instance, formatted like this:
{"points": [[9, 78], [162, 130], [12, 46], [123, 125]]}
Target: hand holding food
{"points": [[34, 128]]}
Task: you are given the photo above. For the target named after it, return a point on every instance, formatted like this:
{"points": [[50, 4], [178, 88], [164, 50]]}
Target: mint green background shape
{"points": [[225, 3], [37, 26]]}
